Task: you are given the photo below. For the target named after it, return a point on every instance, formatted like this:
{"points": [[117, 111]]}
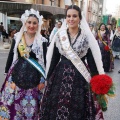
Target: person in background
{"points": [[92, 29], [21, 92], [11, 35], [55, 29], [45, 34], [103, 39], [109, 26], [5, 35], [67, 95], [1, 28], [116, 43]]}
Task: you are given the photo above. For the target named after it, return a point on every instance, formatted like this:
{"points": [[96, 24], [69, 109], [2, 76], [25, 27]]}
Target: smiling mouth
{"points": [[71, 23], [31, 29]]}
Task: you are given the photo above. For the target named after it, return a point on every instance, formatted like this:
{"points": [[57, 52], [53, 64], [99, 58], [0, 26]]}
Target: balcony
{"points": [[16, 7]]}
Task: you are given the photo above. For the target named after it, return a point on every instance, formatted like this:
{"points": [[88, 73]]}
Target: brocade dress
{"points": [[107, 56], [20, 95], [68, 95]]}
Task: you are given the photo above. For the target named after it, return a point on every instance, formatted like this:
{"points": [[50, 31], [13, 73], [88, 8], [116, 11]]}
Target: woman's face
{"points": [[32, 25], [102, 27], [72, 18]]}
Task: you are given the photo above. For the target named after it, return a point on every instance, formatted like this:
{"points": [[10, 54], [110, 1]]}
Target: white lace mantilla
{"points": [[37, 48], [80, 46]]}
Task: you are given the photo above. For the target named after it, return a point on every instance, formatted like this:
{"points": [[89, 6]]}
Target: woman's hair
{"points": [[75, 7], [33, 15], [107, 31]]}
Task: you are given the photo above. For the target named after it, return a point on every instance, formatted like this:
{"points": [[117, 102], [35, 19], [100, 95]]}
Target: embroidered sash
{"points": [[25, 54], [72, 55]]}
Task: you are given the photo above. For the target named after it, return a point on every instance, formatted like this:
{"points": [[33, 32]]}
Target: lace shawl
{"points": [[81, 45], [37, 48]]}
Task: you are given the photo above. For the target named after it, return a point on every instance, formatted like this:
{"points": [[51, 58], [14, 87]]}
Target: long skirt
{"points": [[107, 58], [17, 103], [116, 44], [68, 96]]}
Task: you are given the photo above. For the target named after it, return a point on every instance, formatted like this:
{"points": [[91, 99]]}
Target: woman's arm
{"points": [[44, 51], [91, 63], [54, 61], [10, 57]]}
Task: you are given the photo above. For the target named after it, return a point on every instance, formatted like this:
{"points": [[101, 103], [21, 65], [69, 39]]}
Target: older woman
{"points": [[20, 93]]}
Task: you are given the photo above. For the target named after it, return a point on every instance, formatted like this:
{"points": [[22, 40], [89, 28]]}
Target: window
{"points": [[52, 2]]}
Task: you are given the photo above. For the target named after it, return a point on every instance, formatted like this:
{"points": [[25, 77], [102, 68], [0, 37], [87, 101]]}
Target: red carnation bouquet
{"points": [[102, 86], [106, 48]]}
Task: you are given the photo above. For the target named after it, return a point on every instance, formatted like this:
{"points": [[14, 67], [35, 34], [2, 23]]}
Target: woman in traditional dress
{"points": [[116, 43], [21, 91], [67, 95], [103, 38]]}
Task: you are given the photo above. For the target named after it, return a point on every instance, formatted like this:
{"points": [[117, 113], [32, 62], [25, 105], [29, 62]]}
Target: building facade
{"points": [[11, 11], [95, 11]]}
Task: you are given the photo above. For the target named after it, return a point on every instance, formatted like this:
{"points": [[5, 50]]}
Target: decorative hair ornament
{"points": [[37, 40], [27, 13]]}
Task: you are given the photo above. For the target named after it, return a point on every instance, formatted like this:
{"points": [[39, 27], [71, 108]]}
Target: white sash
{"points": [[72, 55]]}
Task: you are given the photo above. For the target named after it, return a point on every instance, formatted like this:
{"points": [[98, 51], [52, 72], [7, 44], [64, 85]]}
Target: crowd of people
{"points": [[7, 36], [48, 75]]}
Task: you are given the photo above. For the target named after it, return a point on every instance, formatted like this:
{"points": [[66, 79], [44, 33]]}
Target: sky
{"points": [[111, 6]]}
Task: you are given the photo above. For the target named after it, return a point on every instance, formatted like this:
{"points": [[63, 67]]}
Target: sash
{"points": [[72, 55], [36, 65], [25, 54], [100, 37]]}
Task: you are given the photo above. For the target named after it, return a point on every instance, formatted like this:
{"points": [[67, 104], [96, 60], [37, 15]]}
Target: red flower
{"points": [[100, 84], [107, 48]]}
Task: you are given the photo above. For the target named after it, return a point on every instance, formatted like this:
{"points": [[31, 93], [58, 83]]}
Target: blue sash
{"points": [[36, 65]]}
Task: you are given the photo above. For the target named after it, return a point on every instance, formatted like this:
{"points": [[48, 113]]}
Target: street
{"points": [[113, 105]]}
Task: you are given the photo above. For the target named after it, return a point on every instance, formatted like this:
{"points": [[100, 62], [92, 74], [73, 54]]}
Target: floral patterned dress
{"points": [[20, 95]]}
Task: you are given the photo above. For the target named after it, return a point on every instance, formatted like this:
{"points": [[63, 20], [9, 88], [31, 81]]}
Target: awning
{"points": [[15, 7]]}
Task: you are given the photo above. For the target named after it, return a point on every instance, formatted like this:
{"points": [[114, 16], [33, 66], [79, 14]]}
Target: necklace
{"points": [[72, 37], [73, 40], [30, 36]]}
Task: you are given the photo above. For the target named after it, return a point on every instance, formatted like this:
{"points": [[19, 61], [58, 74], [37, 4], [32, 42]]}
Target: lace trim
{"points": [[81, 45]]}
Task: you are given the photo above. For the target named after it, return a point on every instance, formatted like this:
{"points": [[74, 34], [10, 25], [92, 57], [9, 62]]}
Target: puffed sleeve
{"points": [[54, 61], [91, 63], [10, 57]]}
